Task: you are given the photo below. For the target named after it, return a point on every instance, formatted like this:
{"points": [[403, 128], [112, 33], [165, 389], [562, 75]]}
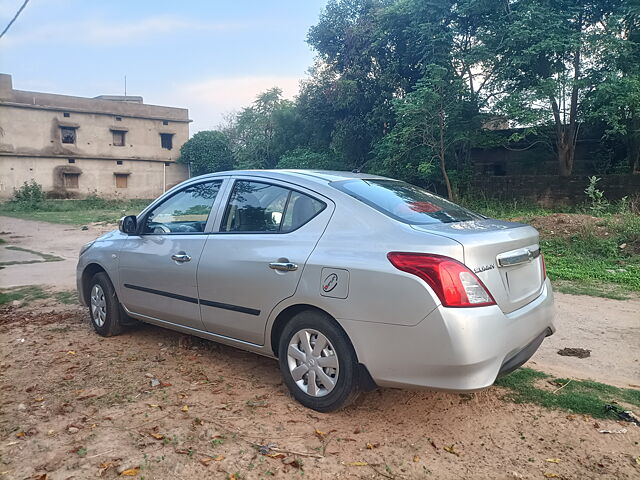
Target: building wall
{"points": [[31, 131], [31, 144], [144, 179]]}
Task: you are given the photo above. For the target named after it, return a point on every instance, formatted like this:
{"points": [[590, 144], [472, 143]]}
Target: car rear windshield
{"points": [[405, 202]]}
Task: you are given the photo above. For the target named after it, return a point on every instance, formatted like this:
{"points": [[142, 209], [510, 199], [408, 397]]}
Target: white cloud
{"points": [[210, 100], [110, 32]]}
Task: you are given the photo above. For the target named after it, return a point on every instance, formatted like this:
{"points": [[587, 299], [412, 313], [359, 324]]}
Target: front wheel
{"points": [[318, 362], [105, 310]]}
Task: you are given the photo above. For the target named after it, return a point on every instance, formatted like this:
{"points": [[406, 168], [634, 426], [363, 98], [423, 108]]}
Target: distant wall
{"points": [[548, 190]]}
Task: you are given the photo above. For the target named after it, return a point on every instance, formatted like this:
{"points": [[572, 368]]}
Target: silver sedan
{"points": [[351, 281]]}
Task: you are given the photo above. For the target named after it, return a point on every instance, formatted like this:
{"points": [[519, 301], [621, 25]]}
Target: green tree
{"points": [[207, 151], [431, 124], [261, 133], [549, 55], [373, 52], [616, 100]]}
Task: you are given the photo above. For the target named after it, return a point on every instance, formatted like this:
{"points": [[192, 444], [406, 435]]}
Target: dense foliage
{"points": [[408, 87], [206, 152]]}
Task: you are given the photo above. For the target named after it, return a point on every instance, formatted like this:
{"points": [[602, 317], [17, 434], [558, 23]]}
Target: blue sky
{"points": [[212, 57]]}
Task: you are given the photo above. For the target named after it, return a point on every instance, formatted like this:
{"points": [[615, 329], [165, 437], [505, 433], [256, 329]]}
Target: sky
{"points": [[212, 57]]}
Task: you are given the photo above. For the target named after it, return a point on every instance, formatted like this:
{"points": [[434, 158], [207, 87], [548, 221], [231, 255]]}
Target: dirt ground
{"points": [[75, 406], [159, 405]]}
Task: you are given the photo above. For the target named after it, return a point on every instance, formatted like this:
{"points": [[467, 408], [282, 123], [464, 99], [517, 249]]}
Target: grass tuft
{"points": [[24, 294], [577, 396]]}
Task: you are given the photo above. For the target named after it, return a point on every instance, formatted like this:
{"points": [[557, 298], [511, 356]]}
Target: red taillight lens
{"points": [[455, 284], [544, 267]]}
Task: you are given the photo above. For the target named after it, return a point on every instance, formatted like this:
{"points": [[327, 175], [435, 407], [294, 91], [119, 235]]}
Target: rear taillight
{"points": [[544, 267], [455, 284]]}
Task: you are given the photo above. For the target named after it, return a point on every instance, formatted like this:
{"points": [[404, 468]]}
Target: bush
{"points": [[29, 195]]}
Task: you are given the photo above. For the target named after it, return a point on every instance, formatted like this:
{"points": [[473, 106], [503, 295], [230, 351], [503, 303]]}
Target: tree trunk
{"points": [[442, 155], [566, 153], [633, 145], [566, 136]]}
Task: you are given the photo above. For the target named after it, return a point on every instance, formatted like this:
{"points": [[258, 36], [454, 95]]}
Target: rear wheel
{"points": [[106, 313], [318, 362]]}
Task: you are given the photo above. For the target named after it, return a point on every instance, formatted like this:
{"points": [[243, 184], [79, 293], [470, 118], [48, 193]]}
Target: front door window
{"points": [[184, 212]]}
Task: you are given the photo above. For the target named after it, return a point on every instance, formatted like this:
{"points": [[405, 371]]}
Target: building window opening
{"points": [[72, 160], [166, 140], [68, 134], [121, 180], [66, 114], [165, 122], [118, 162], [118, 119], [70, 180], [119, 137]]}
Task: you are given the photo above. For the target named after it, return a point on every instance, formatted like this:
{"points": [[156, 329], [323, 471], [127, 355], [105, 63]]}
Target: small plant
{"points": [[30, 194], [599, 204], [624, 205]]}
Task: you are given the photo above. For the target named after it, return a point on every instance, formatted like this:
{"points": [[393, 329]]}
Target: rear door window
{"points": [[257, 207], [405, 202]]}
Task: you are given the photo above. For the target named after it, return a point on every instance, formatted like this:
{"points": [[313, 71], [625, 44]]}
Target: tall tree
{"points": [[261, 133], [616, 100], [550, 54], [431, 124]]}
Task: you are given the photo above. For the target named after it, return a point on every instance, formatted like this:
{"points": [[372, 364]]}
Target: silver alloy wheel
{"points": [[313, 362], [98, 305]]}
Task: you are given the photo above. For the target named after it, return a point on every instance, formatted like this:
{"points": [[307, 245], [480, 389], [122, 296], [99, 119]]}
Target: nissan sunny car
{"points": [[350, 280]]}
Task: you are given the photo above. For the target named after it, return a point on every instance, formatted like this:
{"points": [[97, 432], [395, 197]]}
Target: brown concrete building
{"points": [[74, 146]]}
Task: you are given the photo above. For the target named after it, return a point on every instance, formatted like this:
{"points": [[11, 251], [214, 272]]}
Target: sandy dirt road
{"points": [[609, 328]]}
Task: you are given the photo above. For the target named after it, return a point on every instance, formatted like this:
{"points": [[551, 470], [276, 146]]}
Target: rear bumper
{"points": [[453, 349], [520, 358]]}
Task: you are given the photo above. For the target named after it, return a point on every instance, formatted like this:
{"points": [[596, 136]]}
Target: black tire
{"points": [[346, 387], [114, 315]]}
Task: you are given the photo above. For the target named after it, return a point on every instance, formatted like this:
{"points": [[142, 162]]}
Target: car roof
{"points": [[318, 176]]}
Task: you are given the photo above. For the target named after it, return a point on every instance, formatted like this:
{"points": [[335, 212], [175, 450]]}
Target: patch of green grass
{"points": [[577, 396], [25, 294], [67, 297], [597, 260], [75, 212]]}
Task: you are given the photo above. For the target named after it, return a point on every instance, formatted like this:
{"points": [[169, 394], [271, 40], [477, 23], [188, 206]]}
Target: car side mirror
{"points": [[128, 224]]}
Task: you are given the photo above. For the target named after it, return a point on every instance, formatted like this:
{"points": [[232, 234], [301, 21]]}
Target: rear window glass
{"points": [[405, 202]]}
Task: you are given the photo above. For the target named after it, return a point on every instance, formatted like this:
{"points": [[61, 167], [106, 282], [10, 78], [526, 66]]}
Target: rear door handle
{"points": [[181, 257], [283, 266]]}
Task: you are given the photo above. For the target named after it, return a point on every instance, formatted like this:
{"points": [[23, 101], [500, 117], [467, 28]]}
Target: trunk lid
{"points": [[504, 255]]}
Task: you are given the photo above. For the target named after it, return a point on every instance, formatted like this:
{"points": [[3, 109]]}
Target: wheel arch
{"points": [[366, 382], [87, 274]]}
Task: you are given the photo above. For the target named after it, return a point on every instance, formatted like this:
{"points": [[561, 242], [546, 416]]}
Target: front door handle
{"points": [[181, 257], [283, 266]]}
